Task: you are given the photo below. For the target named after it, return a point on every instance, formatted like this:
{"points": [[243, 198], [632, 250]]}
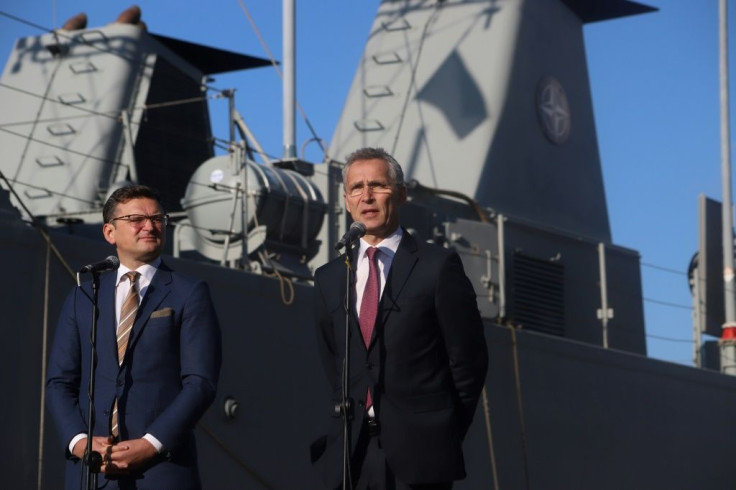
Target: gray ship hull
{"points": [[563, 414]]}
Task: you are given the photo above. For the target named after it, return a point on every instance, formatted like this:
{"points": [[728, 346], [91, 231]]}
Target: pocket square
{"points": [[162, 312]]}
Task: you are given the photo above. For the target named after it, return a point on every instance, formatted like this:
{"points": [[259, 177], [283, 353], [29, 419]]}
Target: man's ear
{"points": [[402, 194], [108, 231]]}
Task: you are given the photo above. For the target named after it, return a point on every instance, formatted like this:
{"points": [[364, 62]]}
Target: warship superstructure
{"points": [[488, 107]]}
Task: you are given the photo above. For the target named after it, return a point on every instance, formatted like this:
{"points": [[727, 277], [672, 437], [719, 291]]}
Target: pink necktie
{"points": [[369, 306]]}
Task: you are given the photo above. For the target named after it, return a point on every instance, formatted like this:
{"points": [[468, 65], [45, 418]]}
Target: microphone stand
{"points": [[92, 461], [345, 407]]}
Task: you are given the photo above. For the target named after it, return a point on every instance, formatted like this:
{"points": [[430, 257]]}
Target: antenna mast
{"points": [[289, 87], [728, 337]]}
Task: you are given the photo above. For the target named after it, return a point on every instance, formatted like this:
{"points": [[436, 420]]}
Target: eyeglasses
{"points": [[375, 188], [138, 220]]}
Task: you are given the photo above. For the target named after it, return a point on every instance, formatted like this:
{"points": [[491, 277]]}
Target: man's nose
{"points": [[148, 224], [368, 194]]}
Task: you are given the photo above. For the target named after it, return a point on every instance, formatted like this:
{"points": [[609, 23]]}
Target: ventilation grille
{"points": [[539, 294]]}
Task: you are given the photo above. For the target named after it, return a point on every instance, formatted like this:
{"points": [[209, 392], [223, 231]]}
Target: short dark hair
{"points": [[367, 153], [125, 194]]}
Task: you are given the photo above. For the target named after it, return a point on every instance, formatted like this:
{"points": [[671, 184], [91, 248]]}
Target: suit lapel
{"points": [[341, 287], [106, 324], [159, 288], [401, 268]]}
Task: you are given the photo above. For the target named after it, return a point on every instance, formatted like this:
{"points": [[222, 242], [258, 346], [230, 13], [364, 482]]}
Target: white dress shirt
{"points": [[387, 250]]}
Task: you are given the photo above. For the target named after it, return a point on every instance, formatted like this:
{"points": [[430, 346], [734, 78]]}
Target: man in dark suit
{"points": [[159, 356], [417, 372]]}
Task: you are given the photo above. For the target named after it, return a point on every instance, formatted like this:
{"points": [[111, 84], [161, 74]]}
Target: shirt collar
{"points": [[146, 270], [388, 245]]}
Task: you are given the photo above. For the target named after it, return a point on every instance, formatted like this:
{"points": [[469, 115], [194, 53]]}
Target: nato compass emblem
{"points": [[553, 110]]}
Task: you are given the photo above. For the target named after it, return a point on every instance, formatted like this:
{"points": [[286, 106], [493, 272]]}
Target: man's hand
{"points": [[126, 456], [99, 443]]}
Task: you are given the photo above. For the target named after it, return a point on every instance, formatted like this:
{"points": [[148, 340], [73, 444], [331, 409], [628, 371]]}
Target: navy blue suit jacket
{"points": [[425, 365], [166, 382]]}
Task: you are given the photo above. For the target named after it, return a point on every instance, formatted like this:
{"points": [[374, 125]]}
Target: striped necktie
{"points": [[125, 325], [127, 315]]}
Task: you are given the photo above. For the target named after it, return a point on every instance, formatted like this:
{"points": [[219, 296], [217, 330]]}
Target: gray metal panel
{"points": [[594, 11], [524, 173], [462, 111], [475, 241], [61, 97], [600, 419], [210, 60], [712, 313], [445, 67], [271, 367], [595, 418]]}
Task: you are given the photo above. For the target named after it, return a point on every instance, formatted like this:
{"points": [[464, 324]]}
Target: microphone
{"points": [[94, 461], [357, 230], [109, 264]]}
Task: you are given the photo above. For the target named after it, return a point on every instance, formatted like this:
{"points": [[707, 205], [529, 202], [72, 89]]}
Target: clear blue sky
{"points": [[655, 93]]}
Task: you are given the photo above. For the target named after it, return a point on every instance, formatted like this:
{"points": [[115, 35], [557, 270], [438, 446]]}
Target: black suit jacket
{"points": [[425, 365]]}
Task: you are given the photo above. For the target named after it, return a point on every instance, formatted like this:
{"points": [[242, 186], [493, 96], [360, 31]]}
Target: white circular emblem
{"points": [[553, 110], [216, 176]]}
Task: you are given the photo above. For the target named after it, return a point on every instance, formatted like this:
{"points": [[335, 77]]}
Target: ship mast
{"points": [[289, 82], [728, 338]]}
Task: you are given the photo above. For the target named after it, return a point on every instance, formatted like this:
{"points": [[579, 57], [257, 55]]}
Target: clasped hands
{"points": [[118, 458]]}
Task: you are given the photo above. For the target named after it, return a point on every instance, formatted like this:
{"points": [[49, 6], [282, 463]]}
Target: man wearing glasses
{"points": [[417, 351], [158, 358]]}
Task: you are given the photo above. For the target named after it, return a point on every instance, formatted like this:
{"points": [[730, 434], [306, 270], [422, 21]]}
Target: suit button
{"points": [[369, 365], [120, 382], [106, 413]]}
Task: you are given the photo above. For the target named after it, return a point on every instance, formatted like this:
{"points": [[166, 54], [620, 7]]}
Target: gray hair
{"points": [[394, 169]]}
